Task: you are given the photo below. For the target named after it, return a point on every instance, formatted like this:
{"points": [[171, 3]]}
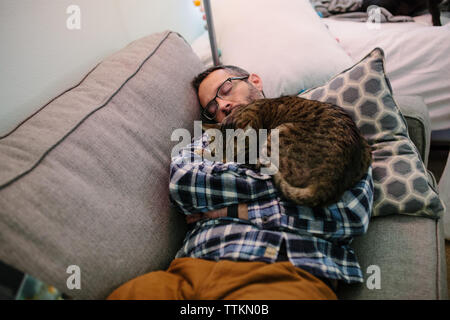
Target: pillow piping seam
{"points": [[50, 101], [19, 176]]}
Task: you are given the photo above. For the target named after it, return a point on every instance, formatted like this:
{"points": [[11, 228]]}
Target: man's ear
{"points": [[256, 81]]}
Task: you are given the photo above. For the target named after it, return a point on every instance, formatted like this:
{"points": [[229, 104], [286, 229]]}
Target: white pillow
{"points": [[283, 41], [202, 49]]}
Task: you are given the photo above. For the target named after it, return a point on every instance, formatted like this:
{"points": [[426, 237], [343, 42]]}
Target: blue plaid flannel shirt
{"points": [[317, 239]]}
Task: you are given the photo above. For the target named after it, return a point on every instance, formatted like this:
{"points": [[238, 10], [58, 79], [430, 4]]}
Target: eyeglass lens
{"points": [[225, 91]]}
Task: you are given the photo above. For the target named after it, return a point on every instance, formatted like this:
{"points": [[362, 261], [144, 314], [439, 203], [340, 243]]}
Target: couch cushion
{"points": [[401, 184], [85, 180], [415, 112], [444, 189], [284, 41], [410, 255]]}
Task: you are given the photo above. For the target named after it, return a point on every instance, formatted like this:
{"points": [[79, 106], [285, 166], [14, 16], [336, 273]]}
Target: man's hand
{"points": [[214, 214]]}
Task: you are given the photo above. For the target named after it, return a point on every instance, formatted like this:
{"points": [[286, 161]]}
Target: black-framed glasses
{"points": [[225, 91]]}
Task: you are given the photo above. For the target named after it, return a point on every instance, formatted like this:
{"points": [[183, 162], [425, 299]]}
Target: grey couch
{"points": [[84, 182]]}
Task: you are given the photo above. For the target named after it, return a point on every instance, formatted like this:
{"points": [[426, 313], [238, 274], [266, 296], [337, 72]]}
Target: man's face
{"points": [[244, 92]]}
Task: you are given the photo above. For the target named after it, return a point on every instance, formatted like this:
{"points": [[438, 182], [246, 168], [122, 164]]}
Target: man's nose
{"points": [[223, 104]]}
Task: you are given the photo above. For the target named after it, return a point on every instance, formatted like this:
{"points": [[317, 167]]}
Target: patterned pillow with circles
{"points": [[401, 184]]}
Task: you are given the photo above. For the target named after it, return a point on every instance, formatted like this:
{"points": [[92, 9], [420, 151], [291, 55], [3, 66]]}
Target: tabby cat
{"points": [[321, 151]]}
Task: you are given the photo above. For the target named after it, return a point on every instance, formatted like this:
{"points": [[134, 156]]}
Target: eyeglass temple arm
{"points": [[211, 32]]}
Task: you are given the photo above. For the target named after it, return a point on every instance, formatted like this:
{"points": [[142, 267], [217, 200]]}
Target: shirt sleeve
{"points": [[338, 222], [201, 185]]}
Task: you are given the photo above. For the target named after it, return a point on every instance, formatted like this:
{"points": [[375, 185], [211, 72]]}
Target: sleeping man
{"points": [[245, 241]]}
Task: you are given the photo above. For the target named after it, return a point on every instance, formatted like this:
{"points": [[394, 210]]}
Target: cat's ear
{"points": [[206, 126]]}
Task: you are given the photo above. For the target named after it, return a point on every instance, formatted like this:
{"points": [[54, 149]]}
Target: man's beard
{"points": [[253, 94]]}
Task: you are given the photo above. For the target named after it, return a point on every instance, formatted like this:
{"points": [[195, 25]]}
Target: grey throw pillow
{"points": [[401, 184], [84, 181]]}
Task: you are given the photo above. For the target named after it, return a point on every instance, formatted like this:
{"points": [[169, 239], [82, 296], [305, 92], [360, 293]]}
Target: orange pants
{"points": [[192, 279]]}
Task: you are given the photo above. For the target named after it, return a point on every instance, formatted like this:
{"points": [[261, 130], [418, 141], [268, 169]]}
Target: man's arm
{"points": [[198, 185], [204, 189], [341, 221], [242, 213]]}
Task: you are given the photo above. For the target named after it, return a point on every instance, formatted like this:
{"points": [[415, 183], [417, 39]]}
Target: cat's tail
{"points": [[302, 196]]}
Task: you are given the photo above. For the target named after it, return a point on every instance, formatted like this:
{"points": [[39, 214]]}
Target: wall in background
{"points": [[40, 56]]}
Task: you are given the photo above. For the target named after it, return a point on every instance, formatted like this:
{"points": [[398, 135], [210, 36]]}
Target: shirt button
{"points": [[265, 219]]}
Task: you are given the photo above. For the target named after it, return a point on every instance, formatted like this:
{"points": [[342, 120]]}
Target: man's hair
{"points": [[231, 69]]}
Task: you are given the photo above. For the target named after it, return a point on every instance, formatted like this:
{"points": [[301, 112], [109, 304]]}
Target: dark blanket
{"points": [[351, 10]]}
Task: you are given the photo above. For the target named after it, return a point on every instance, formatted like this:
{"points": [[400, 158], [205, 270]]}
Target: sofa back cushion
{"points": [[84, 181]]}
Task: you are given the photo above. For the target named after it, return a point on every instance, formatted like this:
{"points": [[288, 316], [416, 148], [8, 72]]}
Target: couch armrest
{"points": [[410, 254], [416, 115], [444, 194]]}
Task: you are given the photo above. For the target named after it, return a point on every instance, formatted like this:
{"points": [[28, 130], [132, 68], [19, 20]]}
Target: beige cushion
{"points": [[85, 180], [285, 42]]}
